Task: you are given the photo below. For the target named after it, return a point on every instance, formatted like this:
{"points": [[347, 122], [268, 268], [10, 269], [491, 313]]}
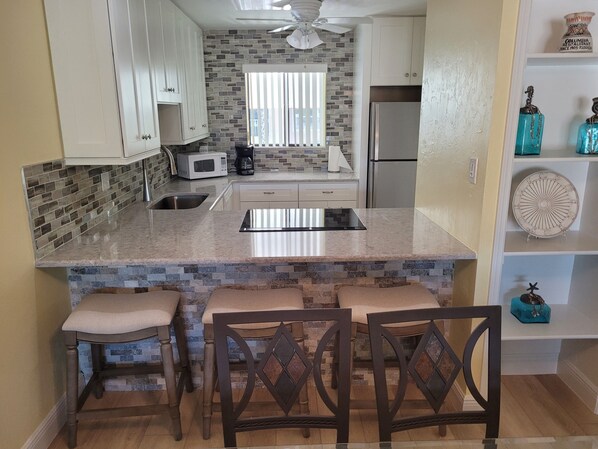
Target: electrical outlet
{"points": [[473, 170], [105, 181]]}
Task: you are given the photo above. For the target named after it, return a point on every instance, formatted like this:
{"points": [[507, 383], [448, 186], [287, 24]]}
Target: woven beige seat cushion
{"points": [[226, 300], [106, 313], [364, 300]]}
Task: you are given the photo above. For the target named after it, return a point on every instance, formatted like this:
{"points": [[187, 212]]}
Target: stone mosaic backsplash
{"points": [[226, 51], [319, 283], [64, 202]]}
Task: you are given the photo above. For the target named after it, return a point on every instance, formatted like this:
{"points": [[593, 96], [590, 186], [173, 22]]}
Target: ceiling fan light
{"points": [[304, 40]]}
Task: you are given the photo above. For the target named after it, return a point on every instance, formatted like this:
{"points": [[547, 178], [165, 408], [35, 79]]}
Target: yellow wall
{"points": [[33, 302], [467, 71]]}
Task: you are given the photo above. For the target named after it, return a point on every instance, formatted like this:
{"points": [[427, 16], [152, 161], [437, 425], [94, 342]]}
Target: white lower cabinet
{"points": [[104, 83], [292, 195]]}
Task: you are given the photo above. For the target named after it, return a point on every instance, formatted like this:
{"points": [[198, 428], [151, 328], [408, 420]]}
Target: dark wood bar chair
{"points": [[284, 369], [230, 300], [434, 367], [102, 319]]}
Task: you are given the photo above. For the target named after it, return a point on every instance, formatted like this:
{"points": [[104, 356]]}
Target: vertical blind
{"points": [[286, 104]]}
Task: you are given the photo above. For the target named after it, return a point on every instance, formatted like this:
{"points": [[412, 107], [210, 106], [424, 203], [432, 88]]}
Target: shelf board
{"points": [[560, 59], [573, 243], [566, 322], [563, 155]]}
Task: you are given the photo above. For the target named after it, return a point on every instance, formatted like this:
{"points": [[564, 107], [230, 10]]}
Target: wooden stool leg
{"points": [[72, 387], [96, 360], [181, 342], [170, 378], [208, 379], [297, 330]]}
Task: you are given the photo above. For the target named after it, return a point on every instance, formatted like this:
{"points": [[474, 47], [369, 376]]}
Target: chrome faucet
{"points": [[173, 170], [147, 180]]}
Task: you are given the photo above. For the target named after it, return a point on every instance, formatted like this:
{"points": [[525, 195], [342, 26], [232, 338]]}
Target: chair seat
{"points": [[108, 313], [228, 300], [364, 300]]}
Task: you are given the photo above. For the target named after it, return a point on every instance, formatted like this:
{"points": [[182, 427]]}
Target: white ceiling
{"points": [[223, 14]]}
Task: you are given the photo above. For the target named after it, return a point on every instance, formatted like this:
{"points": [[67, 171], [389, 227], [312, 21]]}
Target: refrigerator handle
{"points": [[376, 130], [370, 190]]}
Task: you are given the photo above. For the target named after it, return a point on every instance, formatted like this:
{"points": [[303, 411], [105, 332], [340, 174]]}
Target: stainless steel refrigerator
{"points": [[392, 154]]}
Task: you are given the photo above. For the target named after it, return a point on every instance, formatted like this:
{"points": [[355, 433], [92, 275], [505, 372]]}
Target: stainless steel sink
{"points": [[179, 201]]}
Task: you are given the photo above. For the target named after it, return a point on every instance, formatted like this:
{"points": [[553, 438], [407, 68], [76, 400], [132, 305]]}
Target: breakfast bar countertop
{"points": [[140, 236]]}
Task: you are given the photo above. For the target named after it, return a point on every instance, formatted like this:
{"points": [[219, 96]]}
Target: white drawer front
{"points": [[267, 205], [328, 204], [268, 192], [326, 191]]}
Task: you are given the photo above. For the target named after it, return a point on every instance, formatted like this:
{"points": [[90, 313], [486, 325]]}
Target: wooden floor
{"points": [[531, 406]]}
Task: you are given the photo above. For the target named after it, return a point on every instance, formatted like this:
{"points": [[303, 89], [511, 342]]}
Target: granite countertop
{"points": [[140, 236]]}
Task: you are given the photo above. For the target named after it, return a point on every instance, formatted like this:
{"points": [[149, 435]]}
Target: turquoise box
{"points": [[530, 313]]}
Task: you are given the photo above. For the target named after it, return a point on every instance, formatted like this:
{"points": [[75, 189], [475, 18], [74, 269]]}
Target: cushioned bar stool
{"points": [[364, 300], [121, 318], [227, 300]]}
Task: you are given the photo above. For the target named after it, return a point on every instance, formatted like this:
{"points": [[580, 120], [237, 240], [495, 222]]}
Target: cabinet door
{"points": [[193, 107], [163, 50], [86, 93], [139, 113], [417, 50], [391, 51]]}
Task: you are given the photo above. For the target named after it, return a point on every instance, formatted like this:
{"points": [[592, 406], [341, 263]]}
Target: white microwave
{"points": [[201, 165]]}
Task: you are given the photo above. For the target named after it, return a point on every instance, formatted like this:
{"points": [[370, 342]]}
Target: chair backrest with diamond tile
{"points": [[284, 369], [434, 366]]}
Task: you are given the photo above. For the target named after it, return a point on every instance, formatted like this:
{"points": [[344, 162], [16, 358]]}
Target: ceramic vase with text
{"points": [[577, 39], [587, 136]]}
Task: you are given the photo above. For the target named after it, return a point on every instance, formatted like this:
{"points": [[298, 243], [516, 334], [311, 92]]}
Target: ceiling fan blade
{"points": [[284, 28], [332, 28], [257, 19], [281, 3]]}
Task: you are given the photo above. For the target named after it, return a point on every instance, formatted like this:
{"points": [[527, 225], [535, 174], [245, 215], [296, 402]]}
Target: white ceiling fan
{"points": [[306, 19]]}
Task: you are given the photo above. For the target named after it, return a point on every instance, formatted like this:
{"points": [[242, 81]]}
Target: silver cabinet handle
{"points": [[327, 191], [414, 74], [204, 125], [269, 193], [149, 136], [406, 75], [144, 137], [192, 128]]}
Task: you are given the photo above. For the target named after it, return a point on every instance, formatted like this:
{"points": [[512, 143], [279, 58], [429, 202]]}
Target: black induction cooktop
{"points": [[262, 220]]}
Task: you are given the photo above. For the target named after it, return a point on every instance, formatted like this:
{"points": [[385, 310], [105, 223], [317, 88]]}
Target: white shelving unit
{"points": [[565, 267]]}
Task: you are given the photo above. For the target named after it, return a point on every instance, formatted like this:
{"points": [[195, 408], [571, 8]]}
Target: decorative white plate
{"points": [[545, 204]]}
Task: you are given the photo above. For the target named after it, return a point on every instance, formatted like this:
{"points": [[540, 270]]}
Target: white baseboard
{"points": [[462, 401], [45, 433], [580, 384], [527, 364]]}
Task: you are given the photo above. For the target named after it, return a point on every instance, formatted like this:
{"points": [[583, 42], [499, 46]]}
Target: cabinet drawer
{"points": [[243, 205], [328, 204], [326, 191], [268, 192]]}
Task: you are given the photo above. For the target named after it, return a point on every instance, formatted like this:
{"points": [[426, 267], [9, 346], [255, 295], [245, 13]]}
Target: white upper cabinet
{"points": [[398, 51], [104, 85], [180, 125], [162, 17], [134, 79]]}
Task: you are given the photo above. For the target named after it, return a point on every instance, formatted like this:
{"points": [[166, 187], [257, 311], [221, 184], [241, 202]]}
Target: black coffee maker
{"points": [[244, 161]]}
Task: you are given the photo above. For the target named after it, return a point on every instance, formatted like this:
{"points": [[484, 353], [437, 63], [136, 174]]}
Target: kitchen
{"points": [[37, 306]]}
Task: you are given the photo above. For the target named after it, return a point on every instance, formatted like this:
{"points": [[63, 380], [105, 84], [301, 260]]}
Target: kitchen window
{"points": [[286, 104]]}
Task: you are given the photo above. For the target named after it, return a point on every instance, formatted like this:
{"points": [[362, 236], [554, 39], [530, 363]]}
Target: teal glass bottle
{"points": [[587, 136], [530, 128]]}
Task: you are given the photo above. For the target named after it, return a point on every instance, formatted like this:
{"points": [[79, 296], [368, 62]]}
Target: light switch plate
{"points": [[105, 181], [473, 170]]}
